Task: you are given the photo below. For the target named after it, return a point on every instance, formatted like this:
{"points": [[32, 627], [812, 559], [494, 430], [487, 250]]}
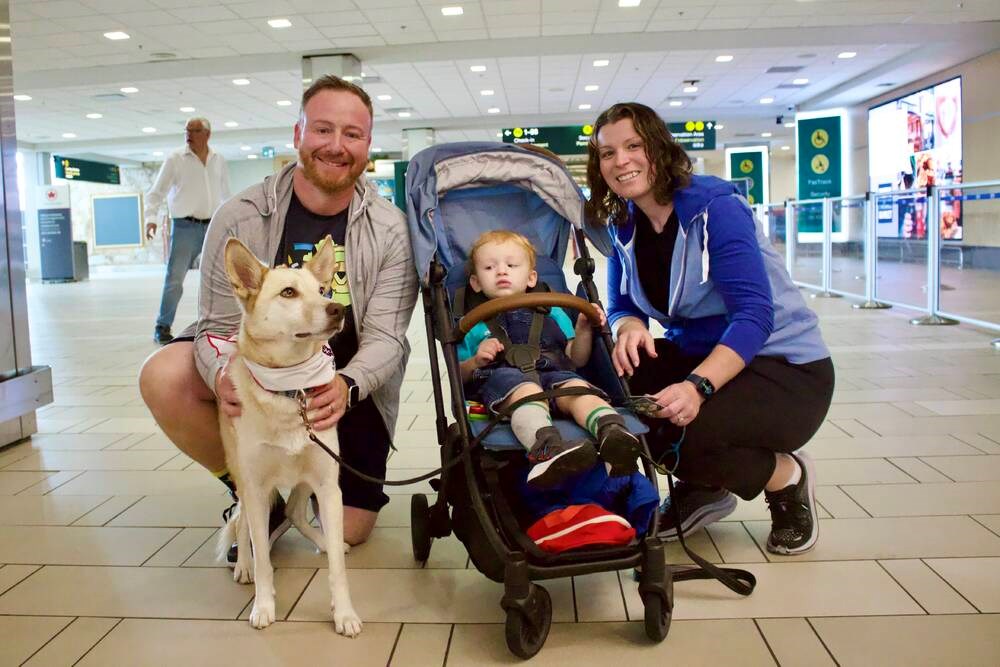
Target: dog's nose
{"points": [[335, 310]]}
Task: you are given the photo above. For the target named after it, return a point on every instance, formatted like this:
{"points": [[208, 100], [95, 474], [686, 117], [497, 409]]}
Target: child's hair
{"points": [[501, 236]]}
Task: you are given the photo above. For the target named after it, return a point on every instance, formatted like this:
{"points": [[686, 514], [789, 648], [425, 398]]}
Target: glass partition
{"points": [[806, 252], [969, 222], [901, 260], [847, 262]]}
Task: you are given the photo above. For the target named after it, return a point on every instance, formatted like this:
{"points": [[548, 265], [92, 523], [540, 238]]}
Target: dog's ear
{"points": [[246, 273], [323, 262]]}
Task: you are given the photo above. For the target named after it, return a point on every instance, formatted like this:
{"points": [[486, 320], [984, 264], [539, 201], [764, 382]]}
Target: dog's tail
{"points": [[228, 533]]}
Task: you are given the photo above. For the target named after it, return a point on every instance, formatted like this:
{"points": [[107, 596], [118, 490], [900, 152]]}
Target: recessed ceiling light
{"points": [[800, 82], [186, 109], [241, 82], [95, 116], [404, 114], [675, 103], [765, 134], [157, 153], [493, 110], [289, 145], [384, 98], [785, 148], [279, 23], [601, 63], [284, 103], [591, 88], [116, 35], [499, 135], [629, 3], [792, 124], [68, 135], [376, 149], [22, 98], [486, 93], [844, 55], [231, 123], [129, 89], [766, 100], [149, 130], [251, 157], [723, 59], [719, 126], [583, 107], [690, 89], [246, 148], [452, 11], [477, 68]]}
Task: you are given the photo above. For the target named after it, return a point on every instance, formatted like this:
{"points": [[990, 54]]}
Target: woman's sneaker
{"points": [[794, 524], [278, 525], [697, 505], [554, 461]]}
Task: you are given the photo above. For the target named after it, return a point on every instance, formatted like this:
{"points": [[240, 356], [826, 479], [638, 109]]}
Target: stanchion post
{"points": [[933, 264], [871, 254], [826, 269], [791, 234]]}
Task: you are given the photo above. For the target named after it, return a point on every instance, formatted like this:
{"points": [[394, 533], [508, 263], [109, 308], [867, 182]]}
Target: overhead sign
{"points": [[560, 139], [694, 135], [72, 169]]}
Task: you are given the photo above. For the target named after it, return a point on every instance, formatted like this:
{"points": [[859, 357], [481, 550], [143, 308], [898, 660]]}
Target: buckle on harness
{"points": [[522, 356]]}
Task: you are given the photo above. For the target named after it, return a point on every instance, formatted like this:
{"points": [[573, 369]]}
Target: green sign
{"points": [[749, 165], [72, 169], [560, 139], [694, 135], [820, 168]]}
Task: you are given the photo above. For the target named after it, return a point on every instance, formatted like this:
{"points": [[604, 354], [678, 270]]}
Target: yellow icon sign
{"points": [[820, 163], [518, 132], [689, 126], [588, 130], [746, 166], [699, 126], [820, 139]]}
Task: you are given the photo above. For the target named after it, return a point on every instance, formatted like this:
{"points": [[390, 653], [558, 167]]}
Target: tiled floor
{"points": [[107, 533]]}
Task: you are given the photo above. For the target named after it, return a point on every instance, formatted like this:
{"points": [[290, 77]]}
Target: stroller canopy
{"points": [[457, 191]]}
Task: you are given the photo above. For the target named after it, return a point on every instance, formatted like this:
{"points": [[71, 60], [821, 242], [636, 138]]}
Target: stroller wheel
{"points": [[658, 613], [420, 527], [527, 628]]}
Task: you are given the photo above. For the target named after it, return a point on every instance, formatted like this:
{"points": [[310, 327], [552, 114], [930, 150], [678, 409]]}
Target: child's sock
{"points": [[591, 423], [224, 477], [527, 419]]}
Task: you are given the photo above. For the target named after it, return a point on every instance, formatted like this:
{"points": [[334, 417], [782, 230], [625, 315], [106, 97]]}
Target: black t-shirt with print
{"points": [[303, 230]]}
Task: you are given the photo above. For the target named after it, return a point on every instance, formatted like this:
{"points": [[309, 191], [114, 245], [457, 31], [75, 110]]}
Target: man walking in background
{"points": [[195, 181]]}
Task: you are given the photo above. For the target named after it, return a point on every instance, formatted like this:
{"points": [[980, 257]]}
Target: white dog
{"points": [[282, 341]]}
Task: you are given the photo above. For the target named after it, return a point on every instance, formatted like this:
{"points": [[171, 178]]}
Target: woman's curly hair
{"points": [[671, 166]]}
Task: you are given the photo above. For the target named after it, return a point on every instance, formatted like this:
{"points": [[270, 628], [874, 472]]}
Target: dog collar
{"points": [[316, 371]]}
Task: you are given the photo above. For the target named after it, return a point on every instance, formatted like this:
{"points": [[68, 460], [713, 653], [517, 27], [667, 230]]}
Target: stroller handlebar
{"points": [[494, 307]]}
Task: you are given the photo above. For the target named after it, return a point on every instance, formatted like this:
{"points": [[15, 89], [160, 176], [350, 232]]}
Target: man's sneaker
{"points": [[698, 506], [162, 335], [617, 446], [555, 461], [278, 523], [794, 524]]}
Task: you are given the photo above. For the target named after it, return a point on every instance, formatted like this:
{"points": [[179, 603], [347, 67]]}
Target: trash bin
{"points": [[81, 265]]}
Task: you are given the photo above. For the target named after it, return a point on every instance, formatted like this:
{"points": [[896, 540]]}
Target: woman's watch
{"points": [[353, 391], [703, 385]]}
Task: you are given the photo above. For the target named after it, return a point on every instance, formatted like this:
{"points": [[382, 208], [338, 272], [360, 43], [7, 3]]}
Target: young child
{"points": [[502, 263]]}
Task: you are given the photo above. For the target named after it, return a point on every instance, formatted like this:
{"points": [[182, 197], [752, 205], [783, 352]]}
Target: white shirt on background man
{"points": [[190, 187]]}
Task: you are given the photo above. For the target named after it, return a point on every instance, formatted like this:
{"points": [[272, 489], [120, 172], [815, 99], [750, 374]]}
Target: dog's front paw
{"points": [[262, 614], [347, 623], [243, 573]]}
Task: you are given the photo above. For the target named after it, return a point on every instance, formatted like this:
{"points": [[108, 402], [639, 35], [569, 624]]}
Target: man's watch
{"points": [[353, 391], [703, 385]]}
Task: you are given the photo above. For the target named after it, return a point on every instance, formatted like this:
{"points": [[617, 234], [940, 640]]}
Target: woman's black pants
{"points": [[771, 406]]}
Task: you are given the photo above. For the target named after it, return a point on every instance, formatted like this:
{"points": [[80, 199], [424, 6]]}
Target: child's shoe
{"points": [[554, 461], [617, 446]]}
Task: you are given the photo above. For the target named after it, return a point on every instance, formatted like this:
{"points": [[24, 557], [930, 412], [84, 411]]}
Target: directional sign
{"points": [[560, 139], [72, 169], [694, 135]]}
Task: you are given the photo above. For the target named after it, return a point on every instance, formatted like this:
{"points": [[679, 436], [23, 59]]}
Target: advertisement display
{"points": [[913, 142]]}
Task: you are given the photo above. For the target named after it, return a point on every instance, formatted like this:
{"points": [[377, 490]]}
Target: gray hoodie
{"points": [[380, 273]]}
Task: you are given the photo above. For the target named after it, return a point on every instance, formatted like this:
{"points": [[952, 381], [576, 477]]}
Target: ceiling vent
{"points": [[109, 97], [791, 86], [744, 134], [783, 69]]}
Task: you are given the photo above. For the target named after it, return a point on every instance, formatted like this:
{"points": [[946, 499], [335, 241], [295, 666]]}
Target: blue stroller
{"points": [[455, 192]]}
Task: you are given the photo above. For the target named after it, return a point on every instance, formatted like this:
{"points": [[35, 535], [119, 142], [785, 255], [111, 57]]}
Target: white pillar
{"points": [[416, 140]]}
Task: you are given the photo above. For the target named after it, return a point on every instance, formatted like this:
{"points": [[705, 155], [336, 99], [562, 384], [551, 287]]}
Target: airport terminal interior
{"points": [[864, 136]]}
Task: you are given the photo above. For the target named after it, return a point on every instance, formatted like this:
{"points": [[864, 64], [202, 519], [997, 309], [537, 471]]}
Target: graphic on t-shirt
{"points": [[337, 289]]}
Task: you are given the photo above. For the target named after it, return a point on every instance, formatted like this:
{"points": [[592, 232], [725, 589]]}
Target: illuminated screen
{"points": [[913, 142]]}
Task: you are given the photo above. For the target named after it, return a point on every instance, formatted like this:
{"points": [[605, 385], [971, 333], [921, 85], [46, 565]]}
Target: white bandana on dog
{"points": [[316, 371]]}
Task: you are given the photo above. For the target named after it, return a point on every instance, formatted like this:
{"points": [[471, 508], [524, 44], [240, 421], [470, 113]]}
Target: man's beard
{"points": [[330, 186]]}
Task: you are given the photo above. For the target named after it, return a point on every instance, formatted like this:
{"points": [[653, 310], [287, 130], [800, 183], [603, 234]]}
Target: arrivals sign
{"points": [[692, 135], [750, 165], [819, 167], [72, 169]]}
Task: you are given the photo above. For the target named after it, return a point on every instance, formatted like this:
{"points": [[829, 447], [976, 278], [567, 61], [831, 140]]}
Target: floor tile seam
{"points": [[162, 547], [821, 641], [395, 643], [291, 608], [973, 517], [931, 466], [125, 509], [39, 568], [853, 500], [718, 552], [763, 637], [42, 481], [50, 639], [160, 467], [950, 585], [213, 534], [746, 529], [92, 509], [958, 436], [900, 468], [905, 589]]}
